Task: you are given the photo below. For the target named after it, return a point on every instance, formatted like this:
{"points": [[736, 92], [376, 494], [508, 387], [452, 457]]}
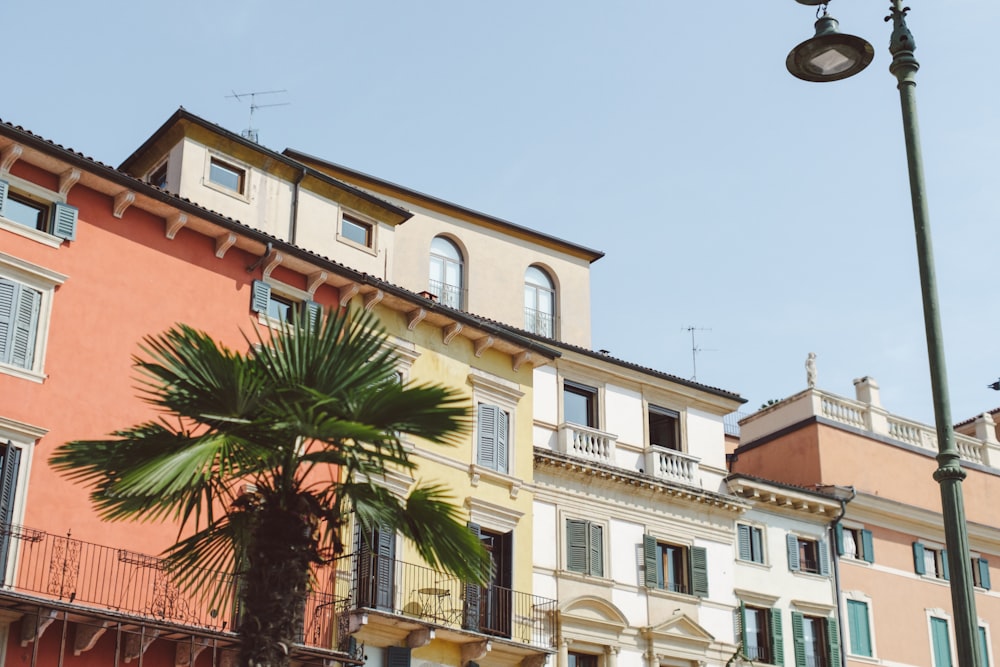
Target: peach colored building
{"points": [[893, 576], [91, 261]]}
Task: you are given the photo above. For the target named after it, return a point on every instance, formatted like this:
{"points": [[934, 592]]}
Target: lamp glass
{"points": [[830, 55]]}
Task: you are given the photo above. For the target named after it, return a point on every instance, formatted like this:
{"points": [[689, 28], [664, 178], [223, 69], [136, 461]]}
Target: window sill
{"points": [[30, 233], [23, 373], [477, 473], [226, 191], [595, 579], [359, 246], [753, 563], [811, 575], [863, 658], [671, 595], [855, 561]]}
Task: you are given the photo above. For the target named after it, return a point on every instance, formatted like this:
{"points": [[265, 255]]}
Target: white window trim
{"points": [[939, 578], [373, 248], [228, 160], [156, 167], [44, 281], [45, 196], [989, 641], [598, 388], [24, 436], [563, 545], [859, 596], [937, 612], [495, 390], [766, 563]]}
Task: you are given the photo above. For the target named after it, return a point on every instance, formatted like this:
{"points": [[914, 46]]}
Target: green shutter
{"points": [[777, 640], [792, 542], [9, 291], [649, 560], [833, 640], [740, 626], [260, 296], [596, 550], [984, 573], [503, 433], [699, 572], [397, 656], [313, 312], [27, 303], [838, 534], [918, 558], [859, 628], [867, 546], [472, 606], [743, 542], [64, 221], [984, 651], [4, 187], [799, 639], [824, 557], [384, 548], [487, 454], [945, 573], [576, 546], [8, 484], [940, 642]]}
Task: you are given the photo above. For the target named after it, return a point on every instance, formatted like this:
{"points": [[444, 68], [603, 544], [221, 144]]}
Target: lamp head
{"points": [[830, 55]]}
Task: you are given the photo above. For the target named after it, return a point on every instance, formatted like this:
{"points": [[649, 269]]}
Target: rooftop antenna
{"points": [[251, 132], [695, 350]]}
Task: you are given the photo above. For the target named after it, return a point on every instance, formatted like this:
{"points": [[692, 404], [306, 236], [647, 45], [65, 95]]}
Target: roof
{"points": [[408, 194], [140, 187]]}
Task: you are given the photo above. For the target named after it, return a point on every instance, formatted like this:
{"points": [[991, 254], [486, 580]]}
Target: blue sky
{"points": [[771, 213]]}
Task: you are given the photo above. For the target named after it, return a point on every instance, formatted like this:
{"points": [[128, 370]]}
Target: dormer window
{"points": [[227, 176]]}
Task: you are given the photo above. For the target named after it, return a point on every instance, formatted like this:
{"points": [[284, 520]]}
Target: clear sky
{"points": [[770, 213]]}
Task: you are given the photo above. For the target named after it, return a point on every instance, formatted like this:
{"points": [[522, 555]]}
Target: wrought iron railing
{"points": [[448, 295], [85, 574], [395, 587], [539, 322]]}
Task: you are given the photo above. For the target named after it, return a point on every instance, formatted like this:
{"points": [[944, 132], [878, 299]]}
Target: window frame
{"points": [[592, 560], [939, 616], [226, 163], [157, 176], [60, 219], [505, 395], [796, 543], [534, 315], [362, 222], [592, 394], [24, 437], [854, 624], [44, 281], [281, 292], [925, 552], [694, 567], [664, 413], [864, 550], [755, 553], [459, 303], [770, 632], [825, 627]]}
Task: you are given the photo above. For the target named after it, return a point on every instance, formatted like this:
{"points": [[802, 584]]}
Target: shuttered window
{"points": [[584, 547], [816, 639], [758, 633], [807, 555], [281, 309], [940, 643], [750, 543], [19, 310], [855, 543], [675, 568], [859, 628], [57, 219], [493, 425]]}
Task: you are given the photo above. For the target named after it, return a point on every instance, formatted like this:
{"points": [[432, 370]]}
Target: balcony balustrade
{"points": [[539, 322], [587, 443], [673, 466], [452, 296]]}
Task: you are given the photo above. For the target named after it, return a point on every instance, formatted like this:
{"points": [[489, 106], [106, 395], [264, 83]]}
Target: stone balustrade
{"points": [[670, 465], [587, 443]]}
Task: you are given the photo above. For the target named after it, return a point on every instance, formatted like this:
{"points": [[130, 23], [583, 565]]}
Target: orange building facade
{"points": [[895, 604]]}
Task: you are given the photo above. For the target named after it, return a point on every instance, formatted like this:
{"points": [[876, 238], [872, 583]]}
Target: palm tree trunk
{"points": [[275, 588]]}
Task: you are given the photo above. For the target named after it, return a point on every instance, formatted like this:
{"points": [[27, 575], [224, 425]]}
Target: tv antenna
{"points": [[695, 350], [251, 132]]}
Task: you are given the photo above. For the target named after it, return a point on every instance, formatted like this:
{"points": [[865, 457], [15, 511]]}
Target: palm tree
{"points": [[262, 456]]}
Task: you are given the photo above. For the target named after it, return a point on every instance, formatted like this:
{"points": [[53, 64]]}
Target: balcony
{"points": [[452, 296], [50, 575], [403, 598], [540, 322], [589, 444], [672, 466]]}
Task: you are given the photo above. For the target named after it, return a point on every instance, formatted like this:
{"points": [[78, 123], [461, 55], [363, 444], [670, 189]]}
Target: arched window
{"points": [[539, 302], [446, 272]]}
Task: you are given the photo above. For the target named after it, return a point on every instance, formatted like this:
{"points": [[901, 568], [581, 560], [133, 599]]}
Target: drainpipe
{"points": [[836, 564], [294, 224]]}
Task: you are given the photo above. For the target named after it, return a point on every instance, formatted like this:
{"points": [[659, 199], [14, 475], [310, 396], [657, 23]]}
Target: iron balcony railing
{"points": [[84, 574], [452, 296], [395, 587], [539, 322]]}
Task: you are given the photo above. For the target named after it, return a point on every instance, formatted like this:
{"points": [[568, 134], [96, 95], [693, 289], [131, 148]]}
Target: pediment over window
{"points": [[679, 630], [595, 613]]}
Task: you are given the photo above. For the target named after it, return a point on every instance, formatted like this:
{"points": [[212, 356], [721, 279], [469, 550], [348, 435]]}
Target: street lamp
{"points": [[830, 56]]}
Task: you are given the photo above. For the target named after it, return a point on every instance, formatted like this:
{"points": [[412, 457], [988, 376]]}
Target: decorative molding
{"points": [[450, 331], [21, 430], [492, 516], [87, 636], [223, 242], [123, 200], [174, 224], [498, 388], [474, 651], [520, 359], [483, 344], [67, 180], [272, 263], [348, 292], [415, 317], [373, 299], [8, 157], [314, 280]]}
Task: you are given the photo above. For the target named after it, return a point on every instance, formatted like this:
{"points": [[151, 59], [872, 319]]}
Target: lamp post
{"points": [[830, 56]]}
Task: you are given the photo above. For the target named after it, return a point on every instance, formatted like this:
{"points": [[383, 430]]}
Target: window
{"points": [[37, 211], [817, 642], [855, 543], [10, 463], [940, 642], [581, 660], [356, 230], [493, 436], [579, 404], [277, 308], [227, 176], [758, 632], [446, 272], [859, 628], [981, 573], [664, 428], [25, 303], [984, 647], [397, 656], [489, 609], [584, 547], [158, 176], [675, 568], [539, 302], [375, 564], [930, 561], [750, 543], [808, 555]]}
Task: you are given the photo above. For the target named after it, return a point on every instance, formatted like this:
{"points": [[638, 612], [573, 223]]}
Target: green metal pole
{"points": [[949, 473]]}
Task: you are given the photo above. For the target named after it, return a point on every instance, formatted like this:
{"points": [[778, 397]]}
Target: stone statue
{"points": [[811, 370]]}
